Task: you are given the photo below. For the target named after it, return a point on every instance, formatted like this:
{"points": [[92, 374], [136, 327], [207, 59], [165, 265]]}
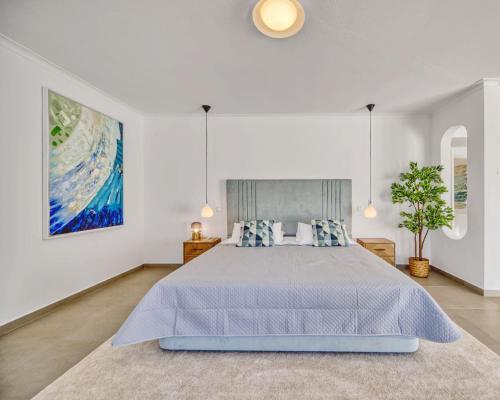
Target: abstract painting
{"points": [[84, 167]]}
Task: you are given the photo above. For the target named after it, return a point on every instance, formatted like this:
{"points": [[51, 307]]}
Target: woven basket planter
{"points": [[419, 267]]}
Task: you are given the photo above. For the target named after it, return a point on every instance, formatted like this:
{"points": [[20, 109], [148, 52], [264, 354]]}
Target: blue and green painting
{"points": [[460, 180], [85, 168]]}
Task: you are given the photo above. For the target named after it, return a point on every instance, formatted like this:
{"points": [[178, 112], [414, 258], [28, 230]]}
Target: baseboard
{"points": [[476, 289], [491, 293], [26, 319], [156, 265]]}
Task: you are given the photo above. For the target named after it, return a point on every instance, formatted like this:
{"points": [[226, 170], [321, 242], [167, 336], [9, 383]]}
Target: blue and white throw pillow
{"points": [[256, 233], [328, 232], [343, 236]]}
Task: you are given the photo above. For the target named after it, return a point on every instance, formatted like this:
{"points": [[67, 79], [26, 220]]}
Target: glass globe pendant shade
{"points": [[207, 212], [370, 211]]}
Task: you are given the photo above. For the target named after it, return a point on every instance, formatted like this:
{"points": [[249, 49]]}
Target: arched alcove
{"points": [[454, 161]]}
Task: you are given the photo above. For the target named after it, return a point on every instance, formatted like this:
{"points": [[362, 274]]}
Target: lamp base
{"points": [[195, 235]]}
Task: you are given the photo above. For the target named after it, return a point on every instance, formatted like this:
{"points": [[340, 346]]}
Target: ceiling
{"points": [[169, 57]]}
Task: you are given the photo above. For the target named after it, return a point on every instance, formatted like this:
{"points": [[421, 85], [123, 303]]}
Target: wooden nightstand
{"points": [[384, 248], [193, 248]]}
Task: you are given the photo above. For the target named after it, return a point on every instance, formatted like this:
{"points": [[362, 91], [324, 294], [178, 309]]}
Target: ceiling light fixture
{"points": [[278, 18]]}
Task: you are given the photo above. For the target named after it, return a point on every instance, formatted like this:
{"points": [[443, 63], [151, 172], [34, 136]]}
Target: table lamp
{"points": [[196, 230]]}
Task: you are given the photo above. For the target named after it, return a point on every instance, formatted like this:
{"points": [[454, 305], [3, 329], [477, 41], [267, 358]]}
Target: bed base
{"points": [[354, 344]]}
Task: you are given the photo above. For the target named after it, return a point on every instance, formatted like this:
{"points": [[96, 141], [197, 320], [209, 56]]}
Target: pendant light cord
{"points": [[206, 157], [370, 156]]}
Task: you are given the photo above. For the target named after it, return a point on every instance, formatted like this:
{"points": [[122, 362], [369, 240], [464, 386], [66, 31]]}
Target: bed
{"points": [[287, 298], [297, 292]]}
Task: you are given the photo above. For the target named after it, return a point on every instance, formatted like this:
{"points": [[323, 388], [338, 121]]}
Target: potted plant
{"points": [[422, 189]]}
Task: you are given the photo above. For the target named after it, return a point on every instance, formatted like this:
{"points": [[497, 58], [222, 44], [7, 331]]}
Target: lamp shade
{"points": [[207, 212], [196, 226], [370, 211]]}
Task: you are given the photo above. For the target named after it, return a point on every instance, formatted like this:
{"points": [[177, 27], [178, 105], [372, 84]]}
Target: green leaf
{"points": [[55, 130]]}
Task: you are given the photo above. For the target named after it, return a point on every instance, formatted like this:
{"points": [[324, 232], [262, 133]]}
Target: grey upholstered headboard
{"points": [[289, 201]]}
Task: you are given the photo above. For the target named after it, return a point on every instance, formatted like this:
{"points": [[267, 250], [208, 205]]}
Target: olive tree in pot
{"points": [[421, 189]]}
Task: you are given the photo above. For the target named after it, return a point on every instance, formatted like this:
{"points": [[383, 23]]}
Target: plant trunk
{"points": [[420, 244], [415, 244]]}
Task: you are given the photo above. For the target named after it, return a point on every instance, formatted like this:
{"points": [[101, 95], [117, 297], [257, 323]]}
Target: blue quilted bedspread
{"points": [[287, 290]]}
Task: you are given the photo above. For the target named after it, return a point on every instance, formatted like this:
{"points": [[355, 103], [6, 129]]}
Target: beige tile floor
{"points": [[478, 315], [36, 354], [33, 356]]}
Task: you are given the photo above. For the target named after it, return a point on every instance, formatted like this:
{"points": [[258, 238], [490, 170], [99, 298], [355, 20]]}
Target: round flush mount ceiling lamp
{"points": [[278, 18]]}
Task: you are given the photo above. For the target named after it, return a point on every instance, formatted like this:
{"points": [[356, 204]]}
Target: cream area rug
{"points": [[462, 370]]}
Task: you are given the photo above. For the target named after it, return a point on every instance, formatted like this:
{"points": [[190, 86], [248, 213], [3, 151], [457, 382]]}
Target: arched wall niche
{"points": [[454, 161]]}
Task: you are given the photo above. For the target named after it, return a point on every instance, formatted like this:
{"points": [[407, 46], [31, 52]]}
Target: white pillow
{"points": [[277, 233], [235, 236], [349, 239], [304, 234], [298, 233]]}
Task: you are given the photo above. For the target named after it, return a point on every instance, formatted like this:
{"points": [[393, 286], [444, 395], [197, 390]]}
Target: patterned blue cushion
{"points": [[256, 233], [328, 232]]}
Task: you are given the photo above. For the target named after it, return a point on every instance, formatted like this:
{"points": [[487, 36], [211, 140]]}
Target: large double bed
{"points": [[288, 298]]}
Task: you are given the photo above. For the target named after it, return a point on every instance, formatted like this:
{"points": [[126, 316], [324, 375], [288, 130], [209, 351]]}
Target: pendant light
{"points": [[370, 211], [206, 212]]}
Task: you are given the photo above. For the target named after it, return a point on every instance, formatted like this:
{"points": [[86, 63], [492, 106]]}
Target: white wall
{"points": [[260, 147], [492, 184], [463, 258], [36, 272]]}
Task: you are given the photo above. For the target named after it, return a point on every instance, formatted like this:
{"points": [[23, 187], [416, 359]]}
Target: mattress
{"points": [[352, 344], [283, 291]]}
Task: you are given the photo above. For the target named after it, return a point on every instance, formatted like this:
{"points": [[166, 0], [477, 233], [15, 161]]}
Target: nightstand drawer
{"points": [[381, 249], [196, 248]]}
